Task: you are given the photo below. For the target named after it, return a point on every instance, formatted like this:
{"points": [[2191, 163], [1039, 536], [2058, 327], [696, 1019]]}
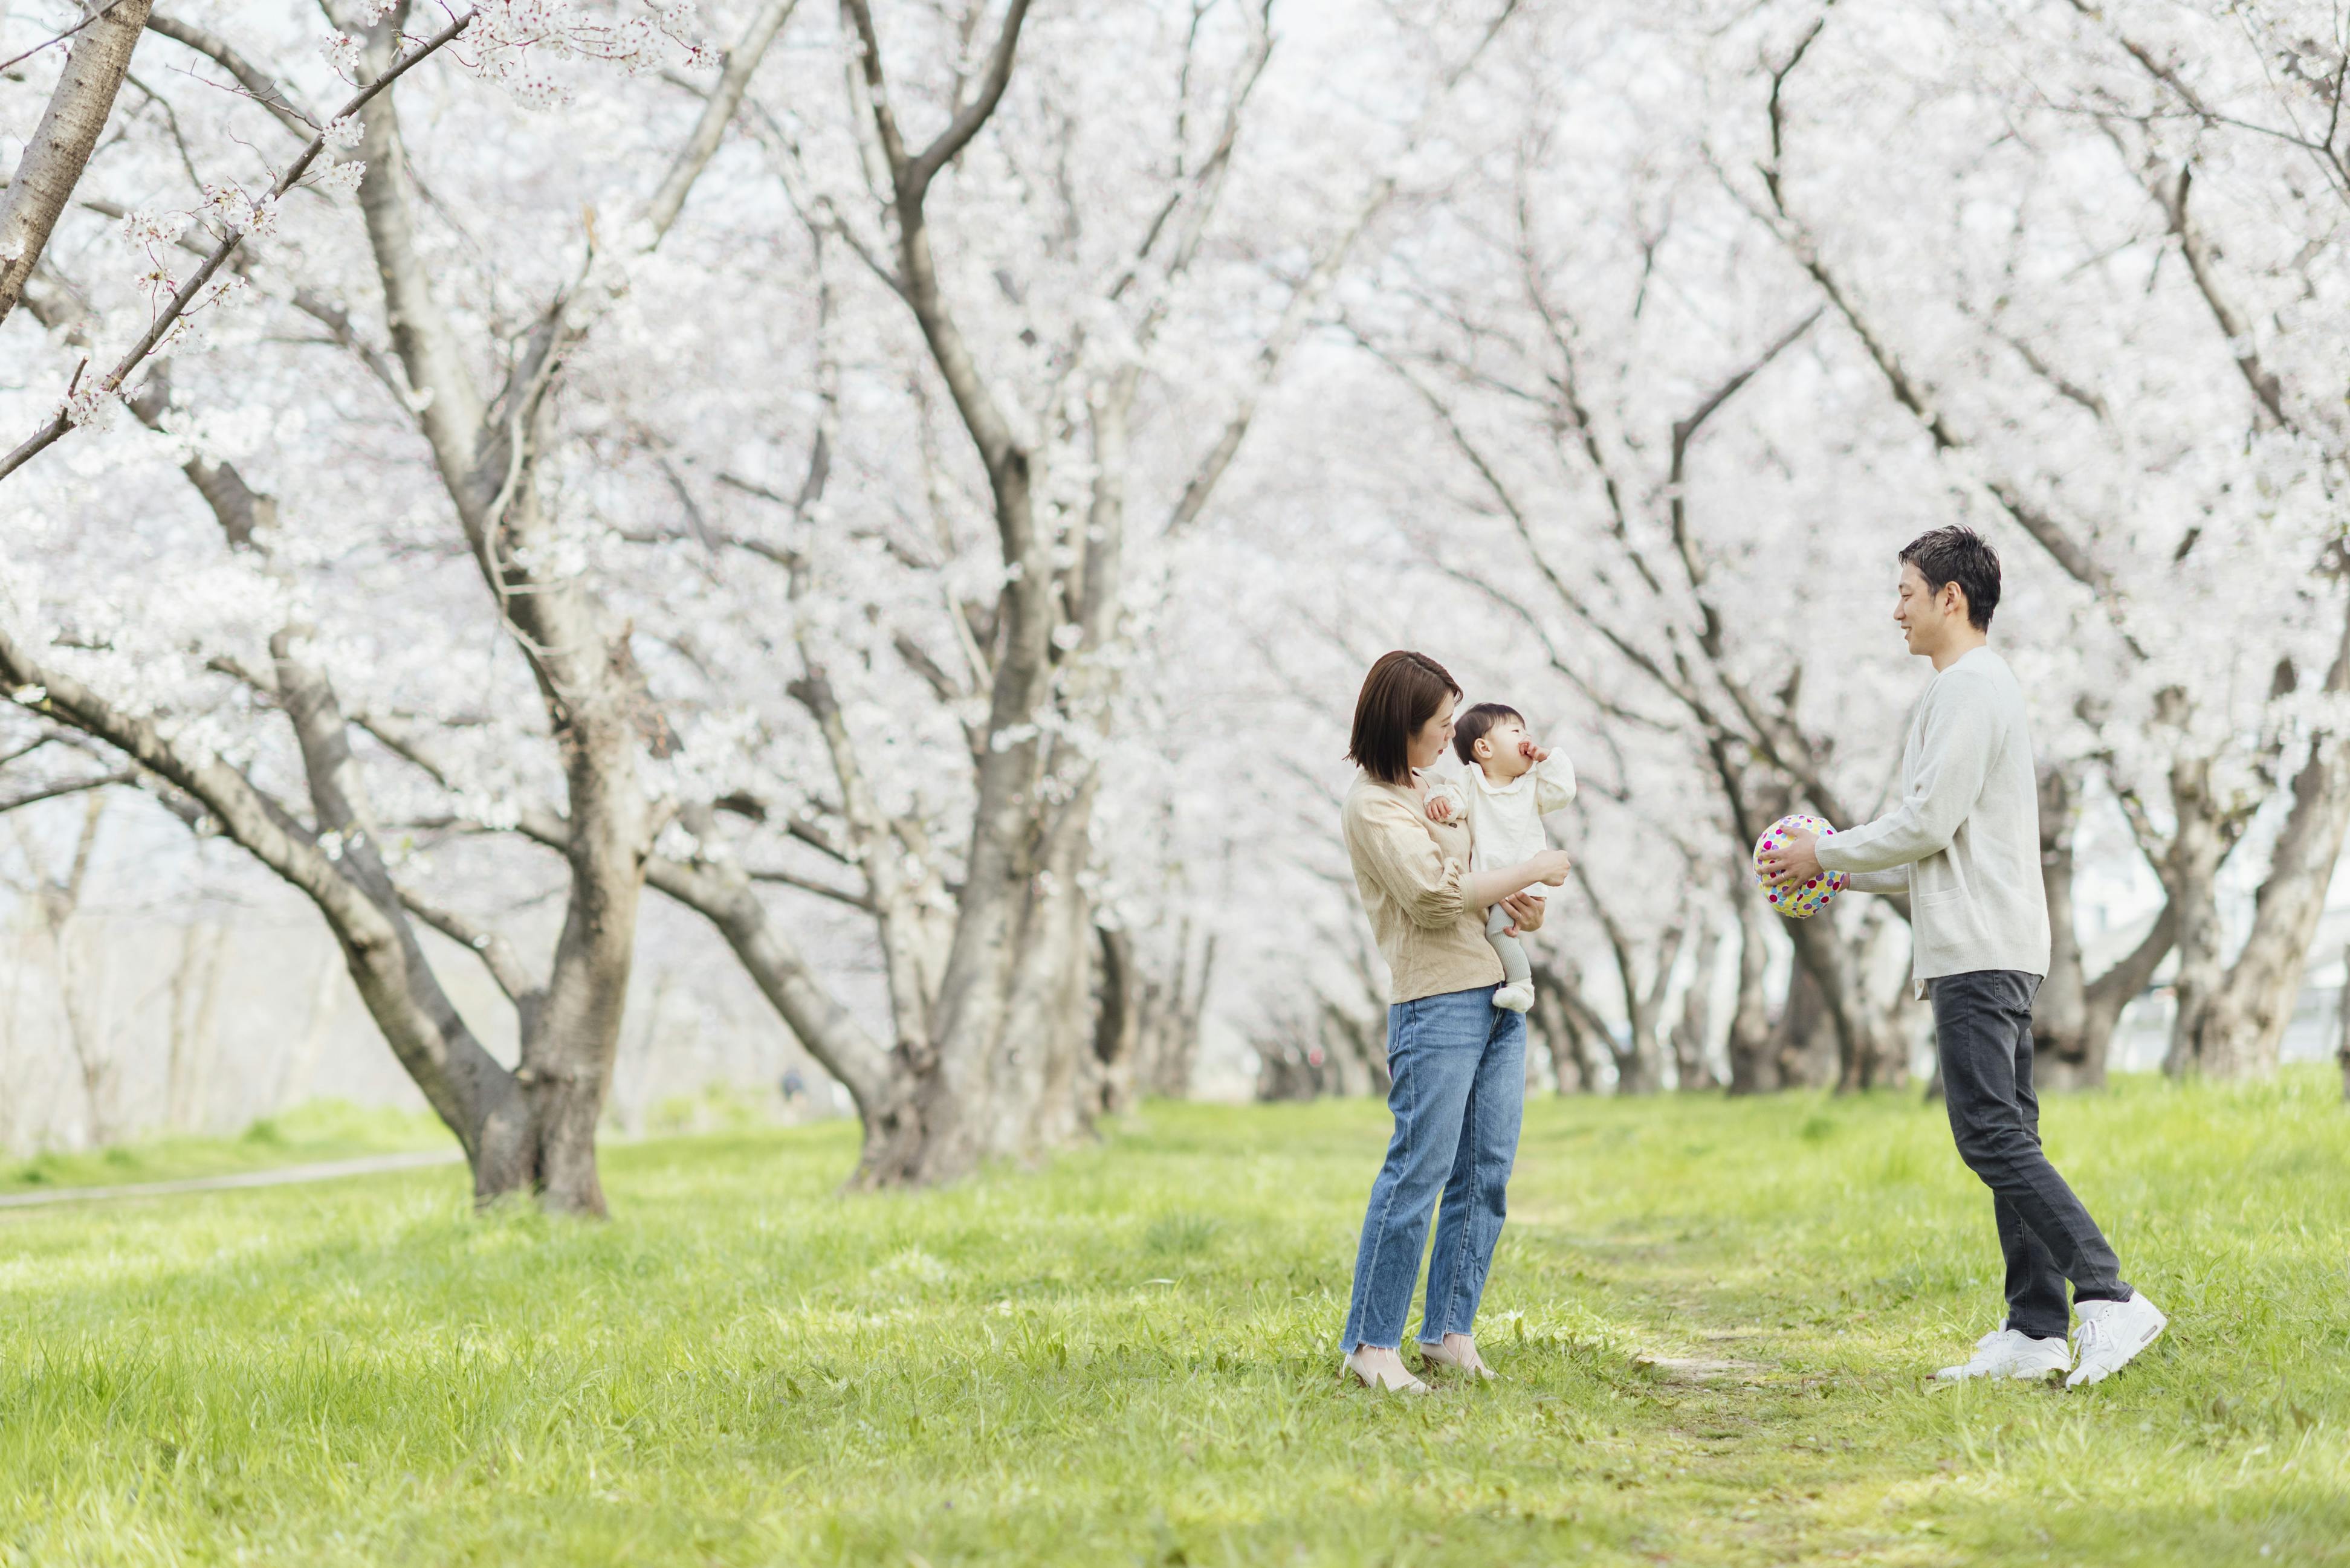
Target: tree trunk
{"points": [[1753, 1066], [1117, 1022], [487, 453], [1894, 1023], [477, 1098], [1005, 1067], [1049, 1024], [88, 1031], [1179, 1060], [1584, 1034], [2063, 1046], [958, 1115], [1803, 1045], [1358, 1057], [2191, 877], [1639, 1057], [1168, 1049], [192, 1023], [293, 1085], [1640, 1060], [1550, 1025], [2242, 1025], [1836, 991], [2342, 1026], [44, 181], [1692, 1072], [2074, 1018]]}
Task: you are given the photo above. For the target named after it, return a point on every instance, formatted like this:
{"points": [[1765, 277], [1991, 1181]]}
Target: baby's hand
{"points": [[1440, 809], [1533, 753]]}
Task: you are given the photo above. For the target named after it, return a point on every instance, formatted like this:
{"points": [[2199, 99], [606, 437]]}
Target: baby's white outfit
{"points": [[1507, 824]]}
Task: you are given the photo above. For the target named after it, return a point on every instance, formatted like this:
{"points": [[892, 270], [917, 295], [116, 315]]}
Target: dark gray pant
{"points": [[1983, 1023]]}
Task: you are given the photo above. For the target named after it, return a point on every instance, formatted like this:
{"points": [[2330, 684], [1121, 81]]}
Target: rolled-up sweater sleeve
{"points": [[1955, 740], [1399, 852], [1894, 881]]}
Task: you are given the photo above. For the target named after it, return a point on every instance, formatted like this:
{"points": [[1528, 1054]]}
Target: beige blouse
{"points": [[1408, 870]]}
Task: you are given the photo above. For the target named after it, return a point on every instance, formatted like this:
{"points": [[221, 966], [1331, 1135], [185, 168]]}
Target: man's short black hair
{"points": [[1959, 555], [1470, 728]]}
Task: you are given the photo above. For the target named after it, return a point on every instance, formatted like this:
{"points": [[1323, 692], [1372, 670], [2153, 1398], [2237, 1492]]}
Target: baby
{"points": [[1511, 784]]}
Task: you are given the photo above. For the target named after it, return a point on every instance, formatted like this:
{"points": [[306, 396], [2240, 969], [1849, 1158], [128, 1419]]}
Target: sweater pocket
{"points": [[1948, 918]]}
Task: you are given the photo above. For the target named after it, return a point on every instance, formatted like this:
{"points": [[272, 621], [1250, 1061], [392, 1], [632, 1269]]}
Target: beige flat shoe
{"points": [[1440, 1356], [1390, 1381]]}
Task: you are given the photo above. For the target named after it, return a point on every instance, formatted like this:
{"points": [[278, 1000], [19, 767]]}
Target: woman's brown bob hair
{"points": [[1402, 692]]}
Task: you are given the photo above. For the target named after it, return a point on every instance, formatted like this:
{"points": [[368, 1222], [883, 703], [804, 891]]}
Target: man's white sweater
{"points": [[1965, 840]]}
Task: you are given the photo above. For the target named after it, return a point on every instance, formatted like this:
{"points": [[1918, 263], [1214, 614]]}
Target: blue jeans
{"points": [[1459, 1065]]}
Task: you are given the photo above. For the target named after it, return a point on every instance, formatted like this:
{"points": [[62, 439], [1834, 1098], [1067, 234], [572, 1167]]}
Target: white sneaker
{"points": [[2009, 1352], [1516, 998], [2109, 1334]]}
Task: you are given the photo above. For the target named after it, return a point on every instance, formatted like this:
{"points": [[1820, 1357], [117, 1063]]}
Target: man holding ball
{"points": [[1964, 844]]}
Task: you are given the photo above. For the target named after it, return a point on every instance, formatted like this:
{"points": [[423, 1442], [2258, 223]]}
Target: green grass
{"points": [[323, 1130], [1128, 1358]]}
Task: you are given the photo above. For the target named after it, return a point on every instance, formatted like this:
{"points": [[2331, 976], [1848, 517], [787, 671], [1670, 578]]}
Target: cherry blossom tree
{"points": [[530, 1128], [996, 917]]}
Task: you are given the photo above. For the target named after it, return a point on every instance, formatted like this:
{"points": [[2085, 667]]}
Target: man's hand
{"points": [[1440, 809], [1526, 913], [1796, 859]]}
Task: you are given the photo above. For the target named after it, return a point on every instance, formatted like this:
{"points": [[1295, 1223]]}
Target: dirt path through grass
{"points": [[283, 1176]]}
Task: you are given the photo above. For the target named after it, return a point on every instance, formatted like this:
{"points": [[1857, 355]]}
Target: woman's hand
{"points": [[1487, 889], [1551, 865], [1526, 913]]}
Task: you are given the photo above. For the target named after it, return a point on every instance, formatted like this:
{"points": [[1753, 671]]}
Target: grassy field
{"points": [[1714, 1320], [328, 1131]]}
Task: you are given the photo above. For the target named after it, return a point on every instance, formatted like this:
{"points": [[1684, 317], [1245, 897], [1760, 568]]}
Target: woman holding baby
{"points": [[1457, 1060]]}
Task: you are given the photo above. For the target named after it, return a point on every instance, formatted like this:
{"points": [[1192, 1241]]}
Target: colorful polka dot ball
{"points": [[1798, 903]]}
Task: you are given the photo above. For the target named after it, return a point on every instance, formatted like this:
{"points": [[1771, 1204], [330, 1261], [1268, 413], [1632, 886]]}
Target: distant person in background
{"points": [[1964, 844], [794, 1086], [1457, 1061]]}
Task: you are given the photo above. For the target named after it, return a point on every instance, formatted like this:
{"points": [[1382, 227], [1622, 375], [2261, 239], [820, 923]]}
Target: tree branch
{"points": [[848, 896], [265, 89], [2069, 552], [1677, 473], [1295, 314], [742, 62], [2266, 389], [112, 382], [71, 786], [497, 954], [917, 175]]}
